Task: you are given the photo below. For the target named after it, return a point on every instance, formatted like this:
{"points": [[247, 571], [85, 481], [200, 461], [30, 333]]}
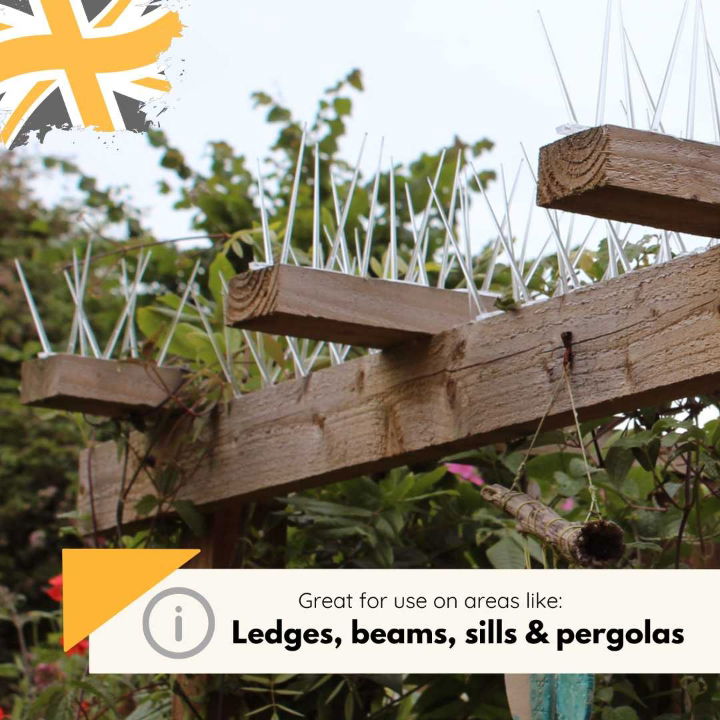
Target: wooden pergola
{"points": [[440, 384]]}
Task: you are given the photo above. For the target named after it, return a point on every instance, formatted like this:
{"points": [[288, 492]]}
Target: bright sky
{"points": [[476, 68]]}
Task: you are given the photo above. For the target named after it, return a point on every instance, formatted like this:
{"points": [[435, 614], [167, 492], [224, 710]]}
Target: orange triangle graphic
{"points": [[98, 584]]}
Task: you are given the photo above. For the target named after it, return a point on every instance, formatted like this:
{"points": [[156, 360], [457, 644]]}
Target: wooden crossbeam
{"points": [[97, 387], [634, 176], [642, 339], [321, 305]]}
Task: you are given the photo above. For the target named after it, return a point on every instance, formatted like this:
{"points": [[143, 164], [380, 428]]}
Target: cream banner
{"points": [[416, 621]]}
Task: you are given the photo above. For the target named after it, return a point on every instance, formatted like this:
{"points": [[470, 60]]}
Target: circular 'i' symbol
{"points": [[178, 630], [178, 624]]}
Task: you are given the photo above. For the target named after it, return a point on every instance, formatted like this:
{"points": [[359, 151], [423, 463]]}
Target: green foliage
{"points": [[225, 198]]}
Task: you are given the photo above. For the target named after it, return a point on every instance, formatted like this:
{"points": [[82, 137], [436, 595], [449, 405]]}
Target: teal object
{"points": [[561, 697]]}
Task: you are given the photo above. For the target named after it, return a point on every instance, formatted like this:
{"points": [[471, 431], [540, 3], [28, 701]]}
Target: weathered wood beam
{"points": [[634, 176], [98, 387], [642, 339], [321, 305]]}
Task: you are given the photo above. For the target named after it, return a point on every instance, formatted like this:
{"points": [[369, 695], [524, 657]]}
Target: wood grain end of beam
{"points": [[321, 305], [634, 176], [108, 388]]}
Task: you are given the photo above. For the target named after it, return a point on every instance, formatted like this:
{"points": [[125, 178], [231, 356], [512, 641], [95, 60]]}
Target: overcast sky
{"points": [[433, 69]]}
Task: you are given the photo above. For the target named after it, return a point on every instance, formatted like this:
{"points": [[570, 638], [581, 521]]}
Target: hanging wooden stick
{"points": [[590, 544]]}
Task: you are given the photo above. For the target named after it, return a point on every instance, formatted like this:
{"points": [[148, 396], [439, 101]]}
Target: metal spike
{"points": [[393, 226], [692, 91], [711, 79], [317, 259], [464, 208], [177, 316], [602, 85], [629, 105], [584, 243], [226, 328], [78, 306], [293, 202], [130, 339], [130, 296], [447, 261], [365, 267], [73, 339], [37, 321], [227, 371], [511, 238], [487, 282], [418, 259], [646, 88], [81, 280], [538, 260], [267, 243], [563, 86], [619, 247], [523, 293], [417, 240], [82, 320], [657, 117], [563, 258], [259, 360], [84, 325], [468, 277], [340, 239]]}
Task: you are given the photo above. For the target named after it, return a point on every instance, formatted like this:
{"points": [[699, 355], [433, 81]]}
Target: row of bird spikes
{"points": [[350, 251], [331, 250]]}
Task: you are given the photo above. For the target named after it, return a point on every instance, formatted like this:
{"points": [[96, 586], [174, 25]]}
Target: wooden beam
{"points": [[642, 339], [321, 305], [634, 176], [98, 387]]}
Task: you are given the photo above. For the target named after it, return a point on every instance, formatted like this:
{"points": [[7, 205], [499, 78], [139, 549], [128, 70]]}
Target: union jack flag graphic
{"points": [[80, 63]]}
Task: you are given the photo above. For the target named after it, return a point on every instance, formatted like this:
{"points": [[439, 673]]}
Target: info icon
{"points": [[178, 623]]}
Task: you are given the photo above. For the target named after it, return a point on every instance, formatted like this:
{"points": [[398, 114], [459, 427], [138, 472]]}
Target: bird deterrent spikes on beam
{"points": [[437, 240]]}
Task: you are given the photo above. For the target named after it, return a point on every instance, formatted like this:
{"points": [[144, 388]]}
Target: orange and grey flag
{"points": [[80, 63]]}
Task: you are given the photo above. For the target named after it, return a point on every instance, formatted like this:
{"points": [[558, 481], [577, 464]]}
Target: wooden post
{"points": [[634, 176], [645, 338], [321, 305], [217, 550], [111, 388]]}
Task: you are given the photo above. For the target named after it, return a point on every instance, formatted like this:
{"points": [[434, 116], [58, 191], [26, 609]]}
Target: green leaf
{"points": [[506, 554], [635, 440], [355, 79], [343, 106], [321, 507], [8, 670], [278, 114], [624, 712], [349, 709], [220, 268], [568, 486], [146, 504], [191, 516], [618, 462]]}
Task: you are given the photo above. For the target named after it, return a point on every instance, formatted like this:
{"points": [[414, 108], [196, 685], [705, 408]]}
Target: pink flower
{"points": [[46, 673], [567, 505], [465, 472]]}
